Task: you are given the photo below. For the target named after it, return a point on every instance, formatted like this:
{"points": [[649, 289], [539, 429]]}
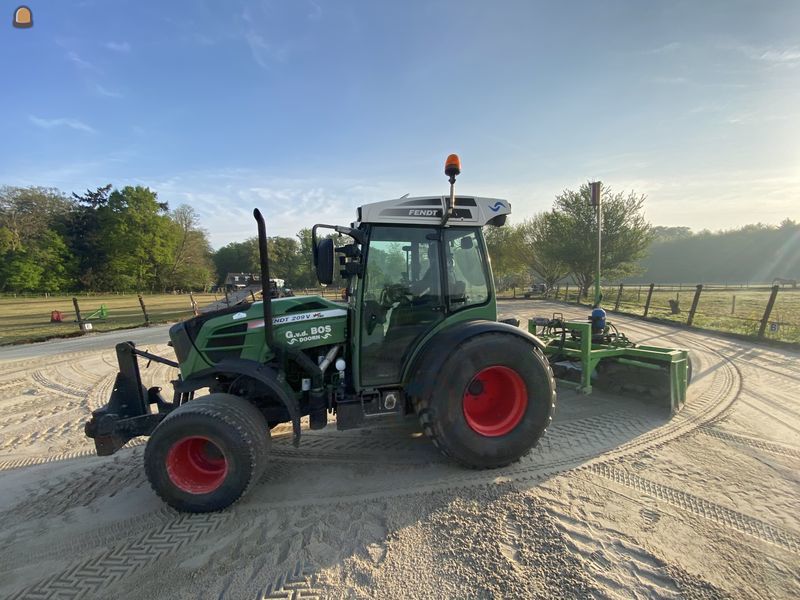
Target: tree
{"points": [[545, 260], [662, 233], [191, 262], [86, 235], [511, 257], [306, 277], [284, 258], [6, 240], [35, 256], [572, 234], [26, 213], [138, 241], [236, 257], [56, 261], [20, 272], [289, 259], [753, 253]]}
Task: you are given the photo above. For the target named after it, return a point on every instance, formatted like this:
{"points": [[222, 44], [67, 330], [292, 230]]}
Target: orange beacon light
{"points": [[23, 18], [452, 166]]}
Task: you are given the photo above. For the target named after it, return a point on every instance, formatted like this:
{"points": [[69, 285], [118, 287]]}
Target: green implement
{"points": [[586, 357], [101, 313]]}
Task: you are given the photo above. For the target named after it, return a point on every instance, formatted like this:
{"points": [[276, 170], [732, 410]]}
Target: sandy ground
{"points": [[616, 502]]}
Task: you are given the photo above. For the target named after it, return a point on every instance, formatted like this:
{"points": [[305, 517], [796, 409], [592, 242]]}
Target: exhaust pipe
{"points": [[265, 291]]}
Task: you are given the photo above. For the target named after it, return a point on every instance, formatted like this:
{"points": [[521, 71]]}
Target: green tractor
{"points": [[418, 335]]}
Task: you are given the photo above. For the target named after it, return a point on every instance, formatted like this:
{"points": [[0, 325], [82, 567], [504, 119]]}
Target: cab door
{"points": [[402, 299]]}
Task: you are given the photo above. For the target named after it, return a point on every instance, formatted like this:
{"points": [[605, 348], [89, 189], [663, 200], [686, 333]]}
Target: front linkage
{"points": [[129, 413]]}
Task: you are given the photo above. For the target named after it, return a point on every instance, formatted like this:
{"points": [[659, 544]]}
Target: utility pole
{"points": [[596, 187]]}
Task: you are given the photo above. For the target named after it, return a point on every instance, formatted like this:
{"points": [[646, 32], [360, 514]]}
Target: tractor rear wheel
{"points": [[492, 401], [207, 453]]}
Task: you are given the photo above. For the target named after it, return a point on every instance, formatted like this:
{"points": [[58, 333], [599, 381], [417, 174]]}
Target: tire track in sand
{"points": [[701, 507]]}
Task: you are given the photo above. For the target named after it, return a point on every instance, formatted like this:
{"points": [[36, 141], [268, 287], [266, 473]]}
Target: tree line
{"points": [[103, 240], [560, 246], [289, 259], [753, 253], [125, 239]]}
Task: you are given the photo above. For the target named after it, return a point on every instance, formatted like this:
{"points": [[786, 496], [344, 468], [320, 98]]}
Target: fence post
{"points": [[144, 311], [252, 295], [619, 295], [194, 304], [77, 313], [733, 305], [566, 293], [227, 301], [649, 297], [695, 302], [768, 311]]}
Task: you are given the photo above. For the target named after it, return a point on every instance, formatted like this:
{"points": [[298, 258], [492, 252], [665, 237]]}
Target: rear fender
{"points": [[420, 375]]}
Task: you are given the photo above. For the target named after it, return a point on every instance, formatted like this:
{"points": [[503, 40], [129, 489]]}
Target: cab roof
{"points": [[428, 210]]}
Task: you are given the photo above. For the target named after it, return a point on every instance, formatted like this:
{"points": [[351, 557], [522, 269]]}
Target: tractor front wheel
{"points": [[492, 401], [207, 453]]}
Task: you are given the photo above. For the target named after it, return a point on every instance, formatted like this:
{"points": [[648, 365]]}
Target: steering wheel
{"points": [[393, 293]]}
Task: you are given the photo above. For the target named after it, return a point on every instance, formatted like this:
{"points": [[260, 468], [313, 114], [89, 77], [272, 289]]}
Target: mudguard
{"points": [[420, 374], [257, 371]]}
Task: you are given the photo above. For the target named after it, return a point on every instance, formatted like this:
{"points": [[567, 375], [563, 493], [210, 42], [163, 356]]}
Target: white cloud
{"points": [[225, 199], [122, 47], [788, 56], [62, 122], [264, 53], [75, 59], [670, 47], [785, 55], [106, 92]]}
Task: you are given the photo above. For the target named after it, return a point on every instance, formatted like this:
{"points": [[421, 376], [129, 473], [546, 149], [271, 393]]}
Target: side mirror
{"points": [[466, 243], [323, 255]]}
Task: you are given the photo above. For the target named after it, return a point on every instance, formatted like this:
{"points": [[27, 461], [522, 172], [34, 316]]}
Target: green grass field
{"points": [[27, 319], [715, 310]]}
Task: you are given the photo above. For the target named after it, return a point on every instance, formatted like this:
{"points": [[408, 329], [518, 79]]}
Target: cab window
{"points": [[467, 283]]}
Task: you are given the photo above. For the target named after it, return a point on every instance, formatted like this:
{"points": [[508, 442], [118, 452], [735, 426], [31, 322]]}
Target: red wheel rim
{"points": [[196, 465], [495, 401]]}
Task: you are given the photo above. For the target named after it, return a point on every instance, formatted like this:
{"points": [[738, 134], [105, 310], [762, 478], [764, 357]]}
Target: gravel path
{"points": [[616, 502]]}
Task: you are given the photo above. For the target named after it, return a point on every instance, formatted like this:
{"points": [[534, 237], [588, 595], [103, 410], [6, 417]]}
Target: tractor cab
{"points": [[415, 265]]}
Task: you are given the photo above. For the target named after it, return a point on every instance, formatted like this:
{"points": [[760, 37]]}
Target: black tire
{"points": [[443, 415], [225, 432]]}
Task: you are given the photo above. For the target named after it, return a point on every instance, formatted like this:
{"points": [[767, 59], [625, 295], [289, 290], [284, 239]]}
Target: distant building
{"points": [[237, 281]]}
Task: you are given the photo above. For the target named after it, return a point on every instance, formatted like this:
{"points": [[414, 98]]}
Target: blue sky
{"points": [[308, 108]]}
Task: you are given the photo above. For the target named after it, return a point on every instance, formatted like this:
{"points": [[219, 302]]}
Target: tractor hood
{"points": [[238, 332]]}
